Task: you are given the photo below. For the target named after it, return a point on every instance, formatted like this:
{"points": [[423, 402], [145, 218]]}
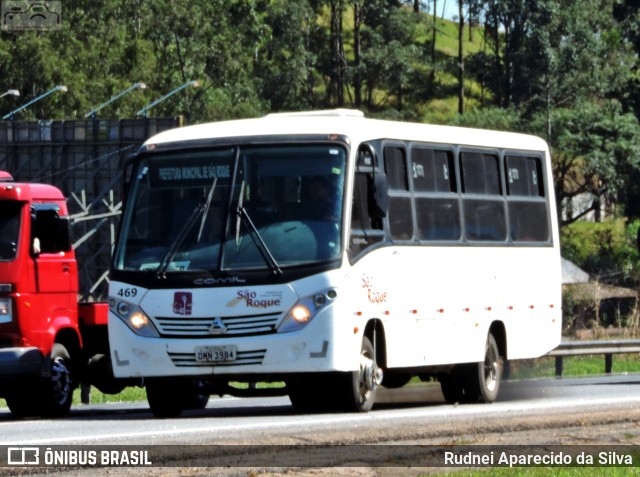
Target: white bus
{"points": [[334, 253]]}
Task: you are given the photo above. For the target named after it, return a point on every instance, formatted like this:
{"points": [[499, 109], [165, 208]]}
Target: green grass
{"points": [[574, 366], [131, 394]]}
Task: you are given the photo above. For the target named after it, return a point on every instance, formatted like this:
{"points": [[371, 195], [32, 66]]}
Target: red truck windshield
{"points": [[9, 229]]}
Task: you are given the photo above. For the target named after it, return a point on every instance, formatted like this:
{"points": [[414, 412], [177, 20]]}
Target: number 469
{"points": [[128, 292]]}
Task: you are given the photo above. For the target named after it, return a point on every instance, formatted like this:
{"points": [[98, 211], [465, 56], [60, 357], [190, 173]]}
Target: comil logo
{"points": [[23, 456], [182, 303]]}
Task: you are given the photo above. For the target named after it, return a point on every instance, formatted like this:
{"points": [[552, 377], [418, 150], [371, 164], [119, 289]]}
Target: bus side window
{"points": [[528, 213], [400, 203], [434, 186], [484, 206], [480, 173], [524, 176]]}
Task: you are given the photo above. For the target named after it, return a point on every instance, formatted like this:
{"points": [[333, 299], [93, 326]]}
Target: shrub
{"points": [[606, 250]]}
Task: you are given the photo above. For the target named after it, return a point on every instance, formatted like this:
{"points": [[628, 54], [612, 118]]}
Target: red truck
{"points": [[49, 343]]}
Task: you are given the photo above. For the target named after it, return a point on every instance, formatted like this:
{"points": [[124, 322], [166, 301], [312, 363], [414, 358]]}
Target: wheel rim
{"points": [[60, 381], [370, 375], [491, 367]]}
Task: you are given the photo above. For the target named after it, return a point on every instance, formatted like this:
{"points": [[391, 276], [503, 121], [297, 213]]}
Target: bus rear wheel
{"points": [[452, 385]]}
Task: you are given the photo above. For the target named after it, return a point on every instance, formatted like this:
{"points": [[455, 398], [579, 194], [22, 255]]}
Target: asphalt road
{"points": [[408, 413]]}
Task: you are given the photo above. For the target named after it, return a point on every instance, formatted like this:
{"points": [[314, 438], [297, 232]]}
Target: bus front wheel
{"points": [[483, 378], [349, 391], [168, 397], [361, 385]]}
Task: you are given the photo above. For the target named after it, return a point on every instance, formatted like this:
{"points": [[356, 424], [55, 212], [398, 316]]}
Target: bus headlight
{"points": [[305, 310], [133, 316], [301, 314], [6, 312]]}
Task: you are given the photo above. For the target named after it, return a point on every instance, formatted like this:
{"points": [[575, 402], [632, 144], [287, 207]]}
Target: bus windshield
{"points": [[235, 208]]}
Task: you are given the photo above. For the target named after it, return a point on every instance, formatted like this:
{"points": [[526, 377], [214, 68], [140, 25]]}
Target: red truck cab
{"points": [[41, 344]]}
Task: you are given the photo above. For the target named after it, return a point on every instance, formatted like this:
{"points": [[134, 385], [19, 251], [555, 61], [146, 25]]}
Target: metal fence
{"points": [[83, 158], [605, 347]]}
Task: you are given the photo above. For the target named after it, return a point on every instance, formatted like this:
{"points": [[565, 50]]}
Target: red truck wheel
{"points": [[22, 402], [57, 392], [46, 397]]}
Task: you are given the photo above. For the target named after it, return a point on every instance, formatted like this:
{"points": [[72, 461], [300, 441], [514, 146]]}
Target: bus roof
{"points": [[352, 124]]}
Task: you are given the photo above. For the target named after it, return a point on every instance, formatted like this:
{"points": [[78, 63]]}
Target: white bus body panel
{"points": [[312, 348], [436, 303]]}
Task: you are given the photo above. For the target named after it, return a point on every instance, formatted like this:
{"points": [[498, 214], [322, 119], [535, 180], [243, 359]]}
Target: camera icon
{"points": [[23, 456], [29, 15]]}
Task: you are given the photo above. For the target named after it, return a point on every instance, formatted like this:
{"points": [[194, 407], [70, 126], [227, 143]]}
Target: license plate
{"points": [[215, 354]]}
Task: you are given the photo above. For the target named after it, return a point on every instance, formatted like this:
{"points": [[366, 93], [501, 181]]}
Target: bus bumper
{"points": [[305, 350]]}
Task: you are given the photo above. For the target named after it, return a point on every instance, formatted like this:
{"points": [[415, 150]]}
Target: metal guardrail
{"points": [[606, 347]]}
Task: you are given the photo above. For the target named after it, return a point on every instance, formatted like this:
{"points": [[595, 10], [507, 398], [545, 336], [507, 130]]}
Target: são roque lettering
{"points": [[252, 299]]}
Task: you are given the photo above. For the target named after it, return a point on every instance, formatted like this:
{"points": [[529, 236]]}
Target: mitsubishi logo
{"points": [[217, 327]]}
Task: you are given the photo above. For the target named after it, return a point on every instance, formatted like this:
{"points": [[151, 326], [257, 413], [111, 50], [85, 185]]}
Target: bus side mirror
{"points": [[379, 200], [367, 162]]}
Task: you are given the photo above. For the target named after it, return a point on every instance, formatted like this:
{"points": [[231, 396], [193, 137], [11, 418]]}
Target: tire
{"points": [[49, 396], [351, 391], [452, 385], [304, 392], [483, 379], [22, 400], [57, 390], [168, 397], [164, 397], [360, 386], [198, 397]]}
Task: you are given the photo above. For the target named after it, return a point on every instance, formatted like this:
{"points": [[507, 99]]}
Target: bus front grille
{"points": [[223, 327]]}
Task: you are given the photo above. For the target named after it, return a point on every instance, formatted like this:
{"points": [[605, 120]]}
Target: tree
{"points": [[596, 146], [389, 53], [284, 66], [460, 57]]}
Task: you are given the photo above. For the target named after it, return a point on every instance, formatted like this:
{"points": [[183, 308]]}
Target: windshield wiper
{"points": [[205, 212], [179, 240], [257, 239]]}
